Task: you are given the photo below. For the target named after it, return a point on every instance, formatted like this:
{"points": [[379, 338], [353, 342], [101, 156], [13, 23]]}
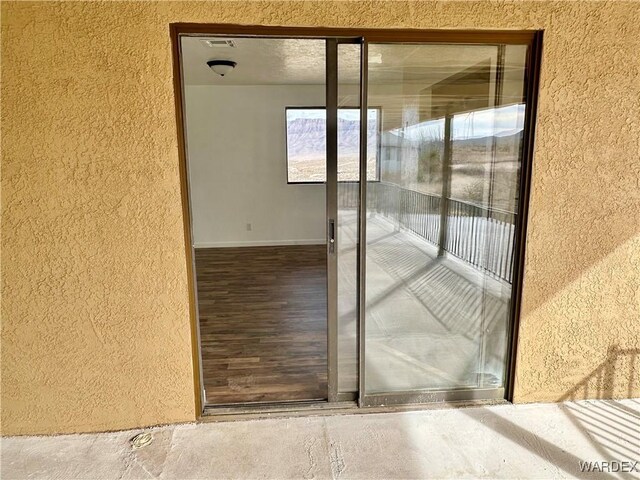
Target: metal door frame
{"points": [[334, 36], [331, 102]]}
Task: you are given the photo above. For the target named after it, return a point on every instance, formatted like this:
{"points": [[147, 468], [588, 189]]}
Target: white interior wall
{"points": [[237, 167]]}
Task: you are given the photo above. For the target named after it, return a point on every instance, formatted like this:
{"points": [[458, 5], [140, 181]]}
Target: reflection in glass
{"points": [[441, 221]]}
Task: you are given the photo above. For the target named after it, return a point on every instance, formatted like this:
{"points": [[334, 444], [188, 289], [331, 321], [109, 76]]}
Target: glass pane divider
{"points": [[362, 220]]}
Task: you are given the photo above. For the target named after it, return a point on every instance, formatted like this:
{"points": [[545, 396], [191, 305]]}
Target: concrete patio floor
{"points": [[500, 441], [432, 323]]}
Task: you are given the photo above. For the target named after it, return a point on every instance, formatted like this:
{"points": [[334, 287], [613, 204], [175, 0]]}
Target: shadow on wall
{"points": [[555, 273], [611, 428], [601, 382]]}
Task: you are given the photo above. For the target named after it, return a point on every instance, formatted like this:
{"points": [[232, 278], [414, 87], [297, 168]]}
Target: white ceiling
{"points": [[266, 61], [260, 61]]}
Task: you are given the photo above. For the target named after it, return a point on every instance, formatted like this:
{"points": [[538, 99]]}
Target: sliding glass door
{"points": [[428, 141], [440, 227]]}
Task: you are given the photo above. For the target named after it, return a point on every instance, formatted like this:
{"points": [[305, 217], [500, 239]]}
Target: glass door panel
{"points": [[347, 221], [440, 216]]}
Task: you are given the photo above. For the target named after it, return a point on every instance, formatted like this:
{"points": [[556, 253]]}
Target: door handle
{"points": [[331, 235]]}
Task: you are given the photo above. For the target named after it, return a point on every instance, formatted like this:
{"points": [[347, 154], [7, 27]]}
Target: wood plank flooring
{"points": [[263, 323]]}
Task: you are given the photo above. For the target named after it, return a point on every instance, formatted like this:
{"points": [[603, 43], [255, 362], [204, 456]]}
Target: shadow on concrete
{"points": [[611, 427]]}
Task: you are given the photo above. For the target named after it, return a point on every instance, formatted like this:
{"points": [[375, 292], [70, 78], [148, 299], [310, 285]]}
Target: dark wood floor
{"points": [[263, 323]]}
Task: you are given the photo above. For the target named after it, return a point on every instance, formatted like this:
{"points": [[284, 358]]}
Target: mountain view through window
{"points": [[307, 138]]}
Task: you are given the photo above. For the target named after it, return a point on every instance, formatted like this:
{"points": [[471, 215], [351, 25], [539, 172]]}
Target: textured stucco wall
{"points": [[95, 329]]}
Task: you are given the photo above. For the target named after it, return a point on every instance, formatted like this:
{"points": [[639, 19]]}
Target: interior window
{"points": [[306, 144]]}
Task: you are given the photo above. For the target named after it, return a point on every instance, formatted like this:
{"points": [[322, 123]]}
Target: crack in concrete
{"points": [[336, 459], [166, 453], [309, 444], [128, 460]]}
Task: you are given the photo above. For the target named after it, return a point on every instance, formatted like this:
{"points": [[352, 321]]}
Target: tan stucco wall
{"points": [[95, 328]]}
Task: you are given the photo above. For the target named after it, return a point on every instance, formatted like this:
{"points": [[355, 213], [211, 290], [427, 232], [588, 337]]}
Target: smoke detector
{"points": [[218, 43]]}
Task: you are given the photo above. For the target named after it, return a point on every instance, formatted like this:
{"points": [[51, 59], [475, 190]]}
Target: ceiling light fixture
{"points": [[221, 67]]}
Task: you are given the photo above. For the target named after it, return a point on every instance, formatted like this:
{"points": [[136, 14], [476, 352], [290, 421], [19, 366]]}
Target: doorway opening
{"points": [[357, 204], [256, 163]]}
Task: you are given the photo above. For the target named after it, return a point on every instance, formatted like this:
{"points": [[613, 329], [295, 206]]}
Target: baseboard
{"points": [[260, 243]]}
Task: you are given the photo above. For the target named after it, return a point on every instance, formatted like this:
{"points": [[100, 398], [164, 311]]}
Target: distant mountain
{"points": [[478, 150], [505, 139], [508, 133], [307, 136]]}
